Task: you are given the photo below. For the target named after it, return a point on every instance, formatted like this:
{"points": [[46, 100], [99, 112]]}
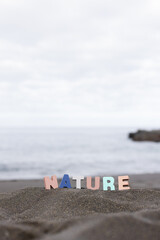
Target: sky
{"points": [[79, 63]]}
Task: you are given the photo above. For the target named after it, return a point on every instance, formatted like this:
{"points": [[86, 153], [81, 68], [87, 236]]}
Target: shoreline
{"points": [[137, 181]]}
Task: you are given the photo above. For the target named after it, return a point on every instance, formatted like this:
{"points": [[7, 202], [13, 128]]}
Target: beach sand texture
{"points": [[35, 213]]}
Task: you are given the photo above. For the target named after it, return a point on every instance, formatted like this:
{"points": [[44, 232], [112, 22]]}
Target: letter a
{"points": [[65, 183]]}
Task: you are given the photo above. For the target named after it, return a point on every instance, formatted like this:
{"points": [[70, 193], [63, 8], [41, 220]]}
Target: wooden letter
{"points": [[108, 182], [48, 183], [65, 183], [123, 182], [78, 181], [97, 183]]}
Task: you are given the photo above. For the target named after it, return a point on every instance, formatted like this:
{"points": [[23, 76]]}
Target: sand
{"points": [[28, 211]]}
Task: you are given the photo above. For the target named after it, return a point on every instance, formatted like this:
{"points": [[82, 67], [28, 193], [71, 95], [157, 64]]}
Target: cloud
{"points": [[79, 62]]}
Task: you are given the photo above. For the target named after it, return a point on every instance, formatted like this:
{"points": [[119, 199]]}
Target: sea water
{"points": [[30, 153]]}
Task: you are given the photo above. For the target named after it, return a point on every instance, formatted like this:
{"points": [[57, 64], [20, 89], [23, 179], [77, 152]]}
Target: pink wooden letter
{"points": [[89, 183], [123, 182], [48, 183]]}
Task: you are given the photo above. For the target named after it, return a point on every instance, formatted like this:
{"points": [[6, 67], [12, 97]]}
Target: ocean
{"points": [[32, 153]]}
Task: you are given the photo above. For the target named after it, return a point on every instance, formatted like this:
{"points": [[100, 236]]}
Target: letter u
{"points": [[97, 183]]}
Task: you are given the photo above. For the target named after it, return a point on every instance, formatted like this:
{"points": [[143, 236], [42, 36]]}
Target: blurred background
{"points": [[75, 78]]}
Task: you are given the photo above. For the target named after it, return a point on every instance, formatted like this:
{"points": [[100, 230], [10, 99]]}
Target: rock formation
{"points": [[142, 135]]}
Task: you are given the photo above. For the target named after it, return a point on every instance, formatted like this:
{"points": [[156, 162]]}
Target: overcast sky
{"points": [[80, 63]]}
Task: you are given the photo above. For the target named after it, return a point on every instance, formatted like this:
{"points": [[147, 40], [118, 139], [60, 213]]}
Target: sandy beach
{"points": [[28, 211], [79, 96]]}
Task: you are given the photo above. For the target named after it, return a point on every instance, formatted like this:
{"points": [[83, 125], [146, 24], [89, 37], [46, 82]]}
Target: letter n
{"points": [[50, 183]]}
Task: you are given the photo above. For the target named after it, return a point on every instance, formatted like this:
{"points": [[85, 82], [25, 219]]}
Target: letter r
{"points": [[108, 182]]}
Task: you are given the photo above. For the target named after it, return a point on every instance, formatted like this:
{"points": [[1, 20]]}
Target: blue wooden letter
{"points": [[65, 183]]}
